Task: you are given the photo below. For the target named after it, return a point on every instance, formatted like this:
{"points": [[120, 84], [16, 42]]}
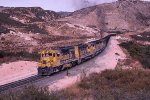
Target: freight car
{"points": [[52, 61]]}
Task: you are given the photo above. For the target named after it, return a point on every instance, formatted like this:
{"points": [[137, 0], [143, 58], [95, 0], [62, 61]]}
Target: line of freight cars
{"points": [[52, 61]]}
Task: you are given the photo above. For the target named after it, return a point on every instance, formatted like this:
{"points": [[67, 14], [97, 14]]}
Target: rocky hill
{"points": [[64, 14], [31, 14], [34, 26], [27, 18], [123, 14]]}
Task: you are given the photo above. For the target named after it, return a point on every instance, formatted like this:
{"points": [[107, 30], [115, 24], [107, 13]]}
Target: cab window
{"points": [[46, 55], [50, 54], [58, 55], [54, 55], [42, 55]]}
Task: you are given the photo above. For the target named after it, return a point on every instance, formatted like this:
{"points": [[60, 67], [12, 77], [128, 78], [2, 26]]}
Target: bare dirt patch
{"points": [[10, 72]]}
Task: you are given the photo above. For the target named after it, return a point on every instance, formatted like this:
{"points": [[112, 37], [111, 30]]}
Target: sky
{"points": [[55, 5]]}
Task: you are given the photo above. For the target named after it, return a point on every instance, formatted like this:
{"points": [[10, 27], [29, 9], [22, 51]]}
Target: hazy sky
{"points": [[56, 5]]}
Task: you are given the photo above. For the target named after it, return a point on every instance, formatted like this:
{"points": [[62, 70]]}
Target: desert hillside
{"points": [[33, 28], [121, 15]]}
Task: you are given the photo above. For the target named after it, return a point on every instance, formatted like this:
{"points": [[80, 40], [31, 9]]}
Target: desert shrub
{"points": [[92, 26], [22, 55], [139, 52], [30, 93], [118, 85], [108, 85], [145, 36], [36, 29], [3, 30], [5, 19]]}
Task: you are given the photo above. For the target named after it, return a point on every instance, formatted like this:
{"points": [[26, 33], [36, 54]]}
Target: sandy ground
{"points": [[106, 60], [17, 70]]}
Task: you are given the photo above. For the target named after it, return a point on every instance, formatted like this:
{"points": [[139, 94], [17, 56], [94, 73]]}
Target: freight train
{"points": [[52, 61]]}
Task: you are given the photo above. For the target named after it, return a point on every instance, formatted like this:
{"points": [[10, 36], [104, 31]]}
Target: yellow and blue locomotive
{"points": [[61, 58]]}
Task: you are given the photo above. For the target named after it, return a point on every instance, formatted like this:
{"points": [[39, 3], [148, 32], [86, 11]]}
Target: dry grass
{"points": [[138, 52], [109, 85], [14, 56], [145, 36], [118, 84], [29, 93]]}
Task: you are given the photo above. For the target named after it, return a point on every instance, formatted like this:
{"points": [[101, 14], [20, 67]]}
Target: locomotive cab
{"points": [[48, 61]]}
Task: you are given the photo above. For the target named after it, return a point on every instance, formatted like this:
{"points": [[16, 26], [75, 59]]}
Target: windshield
{"points": [[50, 54]]}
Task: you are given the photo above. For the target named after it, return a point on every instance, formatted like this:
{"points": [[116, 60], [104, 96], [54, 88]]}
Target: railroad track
{"points": [[24, 82], [19, 83]]}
